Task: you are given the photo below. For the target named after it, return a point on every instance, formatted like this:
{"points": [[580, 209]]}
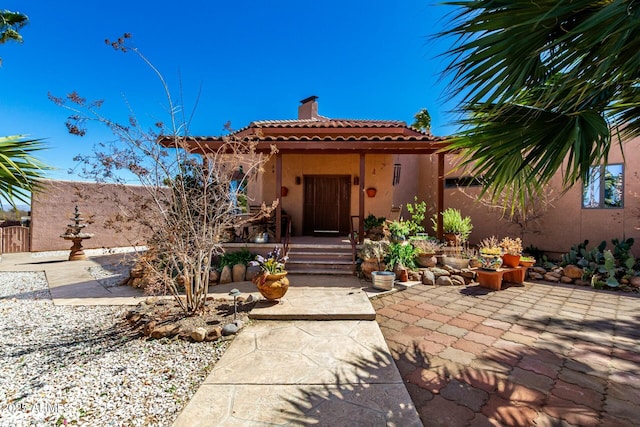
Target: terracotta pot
{"points": [[272, 286], [371, 192], [284, 191], [426, 260], [527, 263], [452, 239], [511, 260]]}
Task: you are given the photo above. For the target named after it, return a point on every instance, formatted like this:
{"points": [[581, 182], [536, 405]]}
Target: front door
{"points": [[327, 205]]}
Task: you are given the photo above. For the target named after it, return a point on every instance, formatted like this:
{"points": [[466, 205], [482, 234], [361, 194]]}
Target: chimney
{"points": [[309, 109]]}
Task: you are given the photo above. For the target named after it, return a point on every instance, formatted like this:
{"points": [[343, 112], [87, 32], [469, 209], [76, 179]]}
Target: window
{"points": [[604, 188]]}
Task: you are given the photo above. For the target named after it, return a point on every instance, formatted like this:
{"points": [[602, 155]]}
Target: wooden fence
{"points": [[15, 239]]}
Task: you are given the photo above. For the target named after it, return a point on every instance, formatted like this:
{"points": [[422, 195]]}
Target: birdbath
{"points": [[75, 234]]}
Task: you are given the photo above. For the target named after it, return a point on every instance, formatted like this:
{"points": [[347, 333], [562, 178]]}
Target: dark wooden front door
{"points": [[327, 204]]}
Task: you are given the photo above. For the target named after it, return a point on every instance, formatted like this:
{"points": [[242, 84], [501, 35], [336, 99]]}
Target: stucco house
{"points": [[329, 170]]}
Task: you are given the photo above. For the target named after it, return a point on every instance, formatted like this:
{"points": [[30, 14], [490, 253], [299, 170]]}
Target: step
{"points": [[303, 303]]}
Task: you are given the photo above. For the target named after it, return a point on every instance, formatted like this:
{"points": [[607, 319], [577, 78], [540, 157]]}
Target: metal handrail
{"points": [[353, 239]]}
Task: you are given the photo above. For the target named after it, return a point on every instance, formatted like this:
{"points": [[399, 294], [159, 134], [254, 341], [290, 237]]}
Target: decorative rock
{"points": [[572, 271], [238, 272], [226, 275], [634, 281], [535, 276], [539, 270], [581, 282], [199, 334], [428, 278], [457, 280], [230, 329], [566, 279], [214, 276], [414, 276], [440, 272], [468, 274], [164, 331], [252, 271], [213, 333], [444, 281], [624, 281], [151, 300], [551, 277], [250, 299], [149, 327]]}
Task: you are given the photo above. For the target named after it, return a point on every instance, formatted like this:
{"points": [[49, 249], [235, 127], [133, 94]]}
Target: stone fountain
{"points": [[75, 234]]}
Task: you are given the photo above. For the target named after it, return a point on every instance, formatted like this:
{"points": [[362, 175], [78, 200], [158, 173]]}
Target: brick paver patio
{"points": [[538, 354]]}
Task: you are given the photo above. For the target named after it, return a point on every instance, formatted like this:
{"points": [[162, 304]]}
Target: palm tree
{"points": [[19, 171], [541, 83], [10, 25]]}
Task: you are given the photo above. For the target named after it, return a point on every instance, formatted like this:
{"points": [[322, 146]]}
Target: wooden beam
{"points": [[440, 201], [361, 199], [278, 196]]}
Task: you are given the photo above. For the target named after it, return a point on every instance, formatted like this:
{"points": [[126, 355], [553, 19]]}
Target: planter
{"points": [[272, 286], [511, 260], [284, 191], [457, 263], [452, 239], [426, 260], [490, 262], [527, 263], [371, 192], [370, 265], [383, 279]]}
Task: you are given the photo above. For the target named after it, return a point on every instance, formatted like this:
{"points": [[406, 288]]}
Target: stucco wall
{"points": [[565, 222], [52, 208]]}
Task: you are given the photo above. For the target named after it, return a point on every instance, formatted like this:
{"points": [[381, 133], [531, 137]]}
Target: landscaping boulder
{"points": [[428, 278], [572, 271], [634, 281], [566, 279], [213, 333], [552, 277], [198, 334], [166, 330], [535, 276], [440, 272], [214, 276], [226, 275], [238, 272], [457, 280], [444, 281]]}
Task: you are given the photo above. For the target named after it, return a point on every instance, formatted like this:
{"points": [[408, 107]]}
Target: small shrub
{"points": [[243, 256]]}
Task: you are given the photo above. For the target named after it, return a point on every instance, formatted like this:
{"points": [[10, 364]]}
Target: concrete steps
{"points": [[320, 259]]}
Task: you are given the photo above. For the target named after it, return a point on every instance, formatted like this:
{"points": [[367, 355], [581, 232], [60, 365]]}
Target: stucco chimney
{"points": [[309, 109]]}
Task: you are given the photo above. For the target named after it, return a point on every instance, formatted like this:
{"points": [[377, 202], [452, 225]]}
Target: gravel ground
{"points": [[78, 365]]}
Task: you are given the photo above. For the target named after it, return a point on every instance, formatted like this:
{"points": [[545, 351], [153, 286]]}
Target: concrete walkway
{"points": [[317, 357]]}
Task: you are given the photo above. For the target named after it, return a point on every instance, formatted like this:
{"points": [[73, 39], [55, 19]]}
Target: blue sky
{"points": [[250, 60]]}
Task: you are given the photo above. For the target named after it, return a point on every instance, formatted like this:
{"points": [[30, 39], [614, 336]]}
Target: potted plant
{"points": [[399, 230], [527, 261], [372, 253], [456, 228], [490, 253], [401, 255], [272, 281], [374, 227], [426, 250], [512, 249]]}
